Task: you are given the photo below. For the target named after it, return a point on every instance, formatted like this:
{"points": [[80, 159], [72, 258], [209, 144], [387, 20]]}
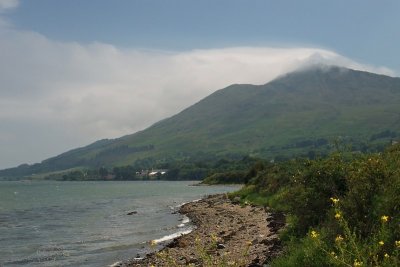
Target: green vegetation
{"points": [[232, 177], [174, 170], [342, 210], [299, 114]]}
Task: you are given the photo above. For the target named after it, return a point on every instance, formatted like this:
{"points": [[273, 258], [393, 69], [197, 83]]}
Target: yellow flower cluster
{"points": [[384, 218], [338, 216], [334, 200], [314, 234], [357, 263], [214, 237], [397, 243], [381, 243], [339, 239]]}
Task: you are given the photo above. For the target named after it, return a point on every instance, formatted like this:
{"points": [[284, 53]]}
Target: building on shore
{"points": [[151, 173]]}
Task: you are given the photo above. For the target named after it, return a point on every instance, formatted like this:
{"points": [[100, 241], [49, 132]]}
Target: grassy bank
{"points": [[343, 210]]}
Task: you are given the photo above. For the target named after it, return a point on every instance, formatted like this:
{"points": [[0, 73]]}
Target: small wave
{"points": [[185, 220], [115, 264], [172, 236]]}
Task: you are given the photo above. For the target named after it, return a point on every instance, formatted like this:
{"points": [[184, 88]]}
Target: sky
{"points": [[73, 72]]}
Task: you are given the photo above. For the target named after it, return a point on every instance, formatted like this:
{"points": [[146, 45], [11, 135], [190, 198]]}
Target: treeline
{"points": [[342, 210], [124, 173], [231, 168], [189, 169]]}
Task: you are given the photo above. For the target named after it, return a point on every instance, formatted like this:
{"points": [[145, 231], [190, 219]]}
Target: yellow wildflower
{"points": [[397, 243], [214, 237], [338, 216], [314, 234], [339, 238], [384, 218], [381, 243], [161, 254], [386, 255], [357, 263], [334, 200]]}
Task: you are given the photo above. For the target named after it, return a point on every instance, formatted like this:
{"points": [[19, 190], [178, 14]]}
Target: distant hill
{"points": [[300, 113]]}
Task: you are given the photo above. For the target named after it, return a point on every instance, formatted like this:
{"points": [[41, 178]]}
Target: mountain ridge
{"points": [[262, 120]]}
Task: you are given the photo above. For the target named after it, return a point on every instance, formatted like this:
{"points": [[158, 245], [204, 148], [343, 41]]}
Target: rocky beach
{"points": [[226, 234]]}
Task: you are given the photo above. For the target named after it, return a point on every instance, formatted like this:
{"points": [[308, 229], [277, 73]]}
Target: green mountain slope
{"points": [[293, 114]]}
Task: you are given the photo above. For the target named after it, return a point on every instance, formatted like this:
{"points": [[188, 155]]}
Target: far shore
{"points": [[226, 233], [200, 183]]}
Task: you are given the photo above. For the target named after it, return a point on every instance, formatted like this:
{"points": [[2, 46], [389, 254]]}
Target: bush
{"points": [[367, 216]]}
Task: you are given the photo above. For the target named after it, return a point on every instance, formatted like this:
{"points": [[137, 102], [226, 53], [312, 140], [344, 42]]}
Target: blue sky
{"points": [[366, 31], [76, 71]]}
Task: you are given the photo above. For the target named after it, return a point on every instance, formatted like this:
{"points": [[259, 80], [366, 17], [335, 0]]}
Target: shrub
{"points": [[363, 229]]}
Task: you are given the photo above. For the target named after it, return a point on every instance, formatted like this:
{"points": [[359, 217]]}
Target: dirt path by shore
{"points": [[226, 234]]}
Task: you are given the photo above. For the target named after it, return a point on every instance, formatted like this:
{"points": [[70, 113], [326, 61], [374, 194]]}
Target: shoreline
{"points": [[223, 233]]}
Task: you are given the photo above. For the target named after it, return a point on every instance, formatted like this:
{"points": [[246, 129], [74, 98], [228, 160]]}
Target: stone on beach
{"points": [[224, 231]]}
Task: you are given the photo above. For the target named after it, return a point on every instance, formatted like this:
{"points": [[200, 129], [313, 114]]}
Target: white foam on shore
{"points": [[185, 220], [172, 236], [115, 264]]}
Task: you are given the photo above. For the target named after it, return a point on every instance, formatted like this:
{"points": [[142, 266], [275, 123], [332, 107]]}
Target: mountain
{"points": [[298, 113]]}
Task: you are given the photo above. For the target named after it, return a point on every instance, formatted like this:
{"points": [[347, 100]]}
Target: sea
{"points": [[52, 223]]}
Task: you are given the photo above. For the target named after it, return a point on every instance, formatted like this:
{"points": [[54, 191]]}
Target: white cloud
{"points": [[8, 4], [55, 96]]}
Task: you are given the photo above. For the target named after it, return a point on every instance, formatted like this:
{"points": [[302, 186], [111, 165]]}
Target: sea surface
{"points": [[49, 223]]}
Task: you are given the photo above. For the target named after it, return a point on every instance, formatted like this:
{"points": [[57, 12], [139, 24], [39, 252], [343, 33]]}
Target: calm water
{"points": [[86, 223]]}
